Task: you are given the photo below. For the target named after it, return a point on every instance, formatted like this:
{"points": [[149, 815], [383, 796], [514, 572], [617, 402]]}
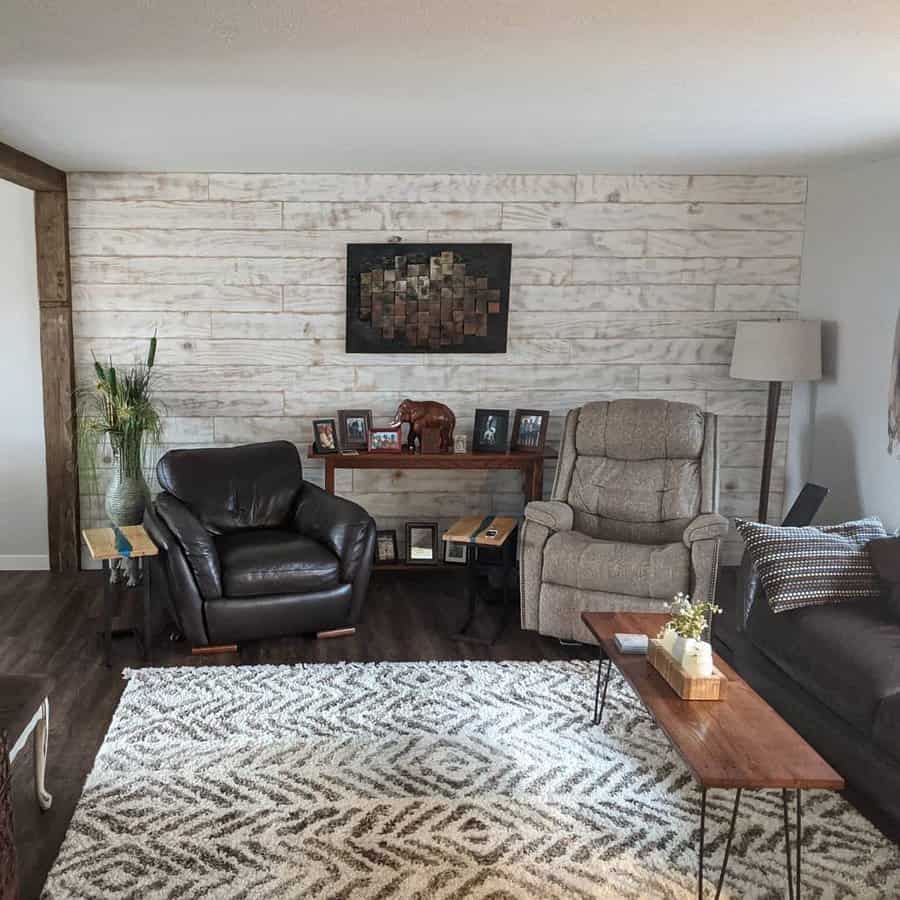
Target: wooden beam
{"points": [[28, 172], [55, 299]]}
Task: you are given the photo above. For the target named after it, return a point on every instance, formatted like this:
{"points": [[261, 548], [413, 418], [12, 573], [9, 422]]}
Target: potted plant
{"points": [[688, 624], [120, 409]]}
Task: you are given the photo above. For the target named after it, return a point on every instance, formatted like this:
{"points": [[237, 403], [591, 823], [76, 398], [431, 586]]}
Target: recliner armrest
{"points": [[705, 527], [196, 543], [552, 514], [341, 525]]}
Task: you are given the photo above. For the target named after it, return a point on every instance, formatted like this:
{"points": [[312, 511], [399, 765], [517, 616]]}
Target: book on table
{"points": [[631, 643]]}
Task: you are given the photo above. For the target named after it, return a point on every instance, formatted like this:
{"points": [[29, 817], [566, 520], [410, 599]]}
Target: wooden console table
{"points": [[529, 462]]}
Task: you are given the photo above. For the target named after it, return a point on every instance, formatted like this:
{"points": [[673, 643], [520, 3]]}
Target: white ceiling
{"points": [[471, 85]]}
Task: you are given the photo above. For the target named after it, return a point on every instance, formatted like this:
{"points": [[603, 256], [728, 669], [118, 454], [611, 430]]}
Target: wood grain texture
{"points": [[391, 187], [692, 188], [632, 287], [737, 742], [58, 377], [29, 172], [770, 217]]}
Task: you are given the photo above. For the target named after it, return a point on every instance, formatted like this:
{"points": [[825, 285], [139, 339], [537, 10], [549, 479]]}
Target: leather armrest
{"points": [[552, 514], [705, 527], [339, 524], [196, 543]]}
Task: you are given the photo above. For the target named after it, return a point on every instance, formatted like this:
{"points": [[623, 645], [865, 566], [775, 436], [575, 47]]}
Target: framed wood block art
{"points": [[427, 298]]}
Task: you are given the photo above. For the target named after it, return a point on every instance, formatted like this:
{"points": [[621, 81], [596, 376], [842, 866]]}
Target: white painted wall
{"points": [[23, 487], [851, 280]]}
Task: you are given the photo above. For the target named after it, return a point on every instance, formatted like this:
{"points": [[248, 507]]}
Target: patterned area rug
{"points": [[421, 780]]}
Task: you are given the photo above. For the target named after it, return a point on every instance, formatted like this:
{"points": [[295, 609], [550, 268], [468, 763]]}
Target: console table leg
{"points": [[148, 628], [799, 841], [329, 475]]}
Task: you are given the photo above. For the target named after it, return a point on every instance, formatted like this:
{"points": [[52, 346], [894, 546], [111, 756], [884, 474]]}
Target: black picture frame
{"points": [[460, 305], [348, 420], [491, 430], [385, 538], [412, 545], [534, 438], [322, 447], [456, 553]]}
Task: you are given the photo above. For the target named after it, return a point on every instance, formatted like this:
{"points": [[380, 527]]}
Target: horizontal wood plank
{"points": [[692, 188], [133, 214], [653, 216], [392, 188], [700, 270], [138, 186], [178, 298]]}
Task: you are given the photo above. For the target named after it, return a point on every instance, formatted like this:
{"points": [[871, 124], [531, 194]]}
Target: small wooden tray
{"points": [[688, 688]]}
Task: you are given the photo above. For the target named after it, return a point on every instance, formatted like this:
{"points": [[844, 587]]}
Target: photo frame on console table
{"points": [[386, 440], [490, 431], [529, 429], [354, 426], [427, 298]]}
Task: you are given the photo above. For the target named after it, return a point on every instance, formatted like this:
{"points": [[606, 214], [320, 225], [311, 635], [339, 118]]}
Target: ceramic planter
{"points": [[126, 499]]}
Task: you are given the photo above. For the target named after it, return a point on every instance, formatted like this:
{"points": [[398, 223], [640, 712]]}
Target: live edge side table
{"points": [[494, 532], [112, 544]]}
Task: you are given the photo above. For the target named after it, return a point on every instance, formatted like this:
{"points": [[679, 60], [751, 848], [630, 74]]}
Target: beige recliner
{"points": [[633, 520]]}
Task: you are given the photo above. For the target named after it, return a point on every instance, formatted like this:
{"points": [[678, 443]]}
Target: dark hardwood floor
{"points": [[49, 623]]}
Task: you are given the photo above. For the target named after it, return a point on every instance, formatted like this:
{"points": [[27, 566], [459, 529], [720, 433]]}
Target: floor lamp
{"points": [[776, 351]]}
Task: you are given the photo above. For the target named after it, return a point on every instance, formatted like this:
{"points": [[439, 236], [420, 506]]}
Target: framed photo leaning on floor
{"points": [[422, 543]]}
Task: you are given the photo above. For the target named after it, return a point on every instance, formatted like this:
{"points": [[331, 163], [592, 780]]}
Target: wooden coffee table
{"points": [[739, 743]]}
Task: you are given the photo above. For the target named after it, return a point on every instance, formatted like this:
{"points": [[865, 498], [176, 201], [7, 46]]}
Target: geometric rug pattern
{"points": [[433, 781]]}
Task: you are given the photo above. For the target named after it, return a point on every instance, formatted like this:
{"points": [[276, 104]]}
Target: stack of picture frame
{"points": [[423, 546]]}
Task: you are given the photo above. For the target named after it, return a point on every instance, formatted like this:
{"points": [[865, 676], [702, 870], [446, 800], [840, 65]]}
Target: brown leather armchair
{"points": [[250, 550]]}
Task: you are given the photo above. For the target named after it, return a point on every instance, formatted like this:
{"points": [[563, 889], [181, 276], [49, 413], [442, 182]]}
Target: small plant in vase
{"points": [[120, 410], [682, 635]]}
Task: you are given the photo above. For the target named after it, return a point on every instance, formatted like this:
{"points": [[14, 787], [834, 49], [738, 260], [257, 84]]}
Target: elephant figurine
{"points": [[422, 414]]}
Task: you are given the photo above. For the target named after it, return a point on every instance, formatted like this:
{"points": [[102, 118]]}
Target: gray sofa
{"points": [[633, 517]]}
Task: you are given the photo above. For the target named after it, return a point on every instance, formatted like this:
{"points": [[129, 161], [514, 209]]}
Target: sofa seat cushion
{"points": [[657, 571], [270, 561], [847, 656]]}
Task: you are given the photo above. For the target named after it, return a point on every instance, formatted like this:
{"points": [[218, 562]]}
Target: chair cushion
{"points": [[813, 566], [847, 656], [234, 488], [640, 429], [20, 698], [658, 571], [271, 561]]}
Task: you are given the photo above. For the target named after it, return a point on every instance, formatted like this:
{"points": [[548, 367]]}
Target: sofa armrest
{"points": [[195, 542], [553, 514], [705, 527], [341, 525]]}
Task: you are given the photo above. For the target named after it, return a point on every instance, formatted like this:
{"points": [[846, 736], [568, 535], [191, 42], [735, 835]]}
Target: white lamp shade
{"points": [[783, 350]]}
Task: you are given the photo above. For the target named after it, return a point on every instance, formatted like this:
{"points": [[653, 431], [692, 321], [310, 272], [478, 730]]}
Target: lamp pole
{"points": [[768, 448]]}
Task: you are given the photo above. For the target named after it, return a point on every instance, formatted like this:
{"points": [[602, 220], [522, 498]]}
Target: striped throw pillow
{"points": [[810, 566]]}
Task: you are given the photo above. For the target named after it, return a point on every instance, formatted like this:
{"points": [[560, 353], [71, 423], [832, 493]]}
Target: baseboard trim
{"points": [[35, 562]]}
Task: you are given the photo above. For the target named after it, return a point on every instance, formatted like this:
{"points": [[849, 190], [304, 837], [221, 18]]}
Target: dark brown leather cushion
{"points": [[20, 698], [846, 655], [271, 561], [233, 488]]}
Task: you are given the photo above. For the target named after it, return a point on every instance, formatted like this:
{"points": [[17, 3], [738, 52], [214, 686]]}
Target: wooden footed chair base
{"points": [[335, 633], [213, 649]]}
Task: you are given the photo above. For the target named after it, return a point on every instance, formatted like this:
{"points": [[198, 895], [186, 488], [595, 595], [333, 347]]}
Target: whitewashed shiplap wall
{"points": [[622, 286]]}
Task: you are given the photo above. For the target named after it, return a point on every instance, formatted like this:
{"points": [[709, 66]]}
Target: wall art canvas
{"points": [[427, 298]]}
